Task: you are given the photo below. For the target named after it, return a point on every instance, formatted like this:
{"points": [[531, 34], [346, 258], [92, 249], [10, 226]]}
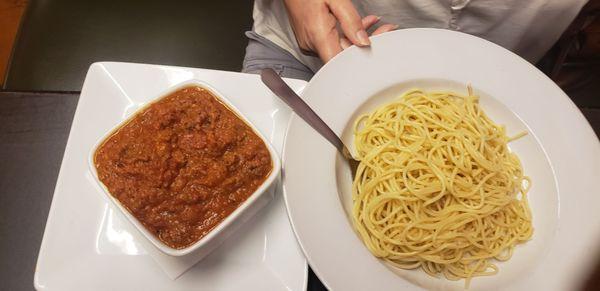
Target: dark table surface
{"points": [[59, 39]]}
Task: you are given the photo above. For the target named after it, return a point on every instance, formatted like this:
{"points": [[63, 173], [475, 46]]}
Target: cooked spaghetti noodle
{"points": [[437, 187]]}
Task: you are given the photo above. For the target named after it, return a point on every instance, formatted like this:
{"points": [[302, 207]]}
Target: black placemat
{"points": [[33, 134]]}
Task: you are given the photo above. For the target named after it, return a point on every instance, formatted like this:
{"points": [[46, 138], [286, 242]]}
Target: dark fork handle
{"points": [[283, 91]]}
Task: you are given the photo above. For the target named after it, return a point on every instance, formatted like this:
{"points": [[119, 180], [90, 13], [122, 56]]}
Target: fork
{"points": [[274, 82]]}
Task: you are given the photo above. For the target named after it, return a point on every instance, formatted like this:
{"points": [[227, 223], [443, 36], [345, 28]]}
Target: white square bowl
{"points": [[252, 205]]}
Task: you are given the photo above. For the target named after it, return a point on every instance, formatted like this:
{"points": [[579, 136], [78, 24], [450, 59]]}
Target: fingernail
{"points": [[396, 26], [362, 37], [378, 18]]}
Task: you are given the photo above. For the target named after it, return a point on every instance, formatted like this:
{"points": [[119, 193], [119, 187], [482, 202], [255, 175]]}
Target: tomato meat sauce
{"points": [[182, 165]]}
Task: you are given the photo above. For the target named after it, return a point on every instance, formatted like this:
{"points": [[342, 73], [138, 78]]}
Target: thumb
{"points": [[328, 45], [350, 21]]}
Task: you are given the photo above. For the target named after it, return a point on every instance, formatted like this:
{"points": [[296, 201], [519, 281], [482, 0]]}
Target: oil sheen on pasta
{"points": [[437, 187]]}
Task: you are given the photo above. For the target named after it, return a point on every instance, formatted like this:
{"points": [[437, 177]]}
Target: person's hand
{"points": [[367, 22], [315, 25]]}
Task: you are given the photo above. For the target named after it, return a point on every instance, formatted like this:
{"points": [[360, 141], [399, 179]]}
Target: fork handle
{"points": [[272, 80]]}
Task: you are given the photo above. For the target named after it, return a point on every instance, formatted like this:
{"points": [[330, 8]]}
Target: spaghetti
{"points": [[437, 187]]}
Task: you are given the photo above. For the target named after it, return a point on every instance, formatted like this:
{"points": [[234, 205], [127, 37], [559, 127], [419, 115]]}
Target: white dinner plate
{"points": [[89, 245], [561, 154]]}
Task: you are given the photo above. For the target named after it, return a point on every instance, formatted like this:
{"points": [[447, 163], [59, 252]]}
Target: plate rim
{"points": [[587, 131]]}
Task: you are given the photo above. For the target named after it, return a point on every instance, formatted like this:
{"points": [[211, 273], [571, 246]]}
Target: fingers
{"points": [[328, 45], [369, 20], [385, 28], [350, 21], [345, 43]]}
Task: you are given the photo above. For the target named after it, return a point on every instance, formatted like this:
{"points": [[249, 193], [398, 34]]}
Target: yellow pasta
{"points": [[437, 187]]}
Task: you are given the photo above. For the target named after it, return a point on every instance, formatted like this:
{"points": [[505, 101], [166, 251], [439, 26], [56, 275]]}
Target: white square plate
{"points": [[88, 245]]}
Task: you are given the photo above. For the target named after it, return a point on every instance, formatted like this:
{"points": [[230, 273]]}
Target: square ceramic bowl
{"points": [[244, 212]]}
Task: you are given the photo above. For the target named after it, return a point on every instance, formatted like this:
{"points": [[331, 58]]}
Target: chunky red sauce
{"points": [[182, 165]]}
